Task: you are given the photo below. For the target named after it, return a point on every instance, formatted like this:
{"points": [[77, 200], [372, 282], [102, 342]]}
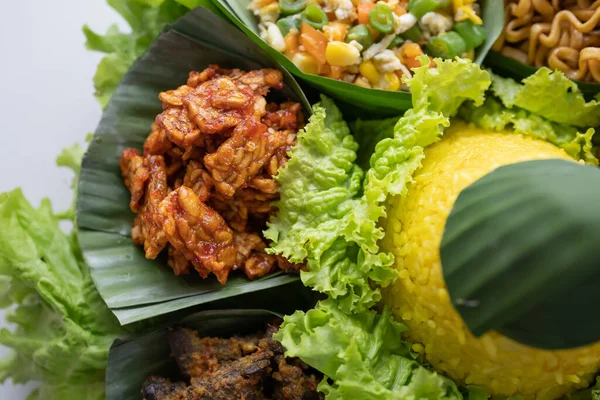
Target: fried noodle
{"points": [[562, 35]]}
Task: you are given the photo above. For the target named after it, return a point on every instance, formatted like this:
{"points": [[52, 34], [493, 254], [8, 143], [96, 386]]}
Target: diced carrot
{"points": [[336, 31], [412, 50], [291, 43], [337, 72], [399, 10], [431, 63], [324, 69], [314, 42], [399, 74], [363, 11]]}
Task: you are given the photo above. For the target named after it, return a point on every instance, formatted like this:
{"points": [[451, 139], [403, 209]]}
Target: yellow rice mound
{"points": [[419, 297]]}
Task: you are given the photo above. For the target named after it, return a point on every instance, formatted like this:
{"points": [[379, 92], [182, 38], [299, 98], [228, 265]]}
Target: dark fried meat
{"points": [[241, 157], [158, 388], [135, 175], [253, 367], [213, 150], [241, 379], [147, 228], [197, 356], [199, 232], [292, 382]]}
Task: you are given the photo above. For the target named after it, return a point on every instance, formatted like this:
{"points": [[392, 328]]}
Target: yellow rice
{"points": [[419, 297]]}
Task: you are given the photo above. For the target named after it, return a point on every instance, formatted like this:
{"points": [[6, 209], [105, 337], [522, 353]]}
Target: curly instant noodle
{"points": [[563, 35]]}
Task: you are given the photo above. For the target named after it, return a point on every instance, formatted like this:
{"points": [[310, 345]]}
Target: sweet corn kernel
{"points": [[306, 63], [368, 70], [456, 4], [275, 38], [362, 81], [341, 54], [389, 81], [467, 12]]}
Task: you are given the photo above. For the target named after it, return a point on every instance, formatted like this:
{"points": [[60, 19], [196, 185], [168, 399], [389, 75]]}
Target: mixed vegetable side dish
{"points": [[440, 254], [368, 43]]}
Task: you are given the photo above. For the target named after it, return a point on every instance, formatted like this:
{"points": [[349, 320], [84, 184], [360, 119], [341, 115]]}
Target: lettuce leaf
{"points": [[494, 116], [63, 329], [437, 96], [360, 351], [147, 18], [322, 215], [551, 95], [362, 355]]}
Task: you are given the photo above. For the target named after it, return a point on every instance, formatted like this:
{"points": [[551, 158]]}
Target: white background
{"points": [[46, 99]]}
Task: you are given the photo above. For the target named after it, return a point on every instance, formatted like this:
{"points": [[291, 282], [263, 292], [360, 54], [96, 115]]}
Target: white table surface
{"points": [[46, 99]]}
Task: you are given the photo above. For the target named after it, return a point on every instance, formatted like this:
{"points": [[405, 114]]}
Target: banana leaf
{"points": [[359, 101], [133, 359], [520, 253], [512, 68], [132, 286]]}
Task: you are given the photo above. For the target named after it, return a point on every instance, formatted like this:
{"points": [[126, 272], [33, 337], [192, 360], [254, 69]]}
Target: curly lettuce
{"points": [[63, 329], [321, 216], [494, 116], [361, 354], [550, 95], [359, 350], [146, 18], [437, 96]]}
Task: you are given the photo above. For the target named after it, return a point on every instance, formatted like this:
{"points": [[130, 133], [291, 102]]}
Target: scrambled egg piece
{"points": [[419, 297]]}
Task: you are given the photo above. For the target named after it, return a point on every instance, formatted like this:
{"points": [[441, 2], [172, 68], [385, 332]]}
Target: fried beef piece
{"points": [[293, 381], [197, 356], [135, 175], [199, 232], [241, 379], [241, 157], [158, 388], [239, 368], [292, 378], [147, 228]]}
